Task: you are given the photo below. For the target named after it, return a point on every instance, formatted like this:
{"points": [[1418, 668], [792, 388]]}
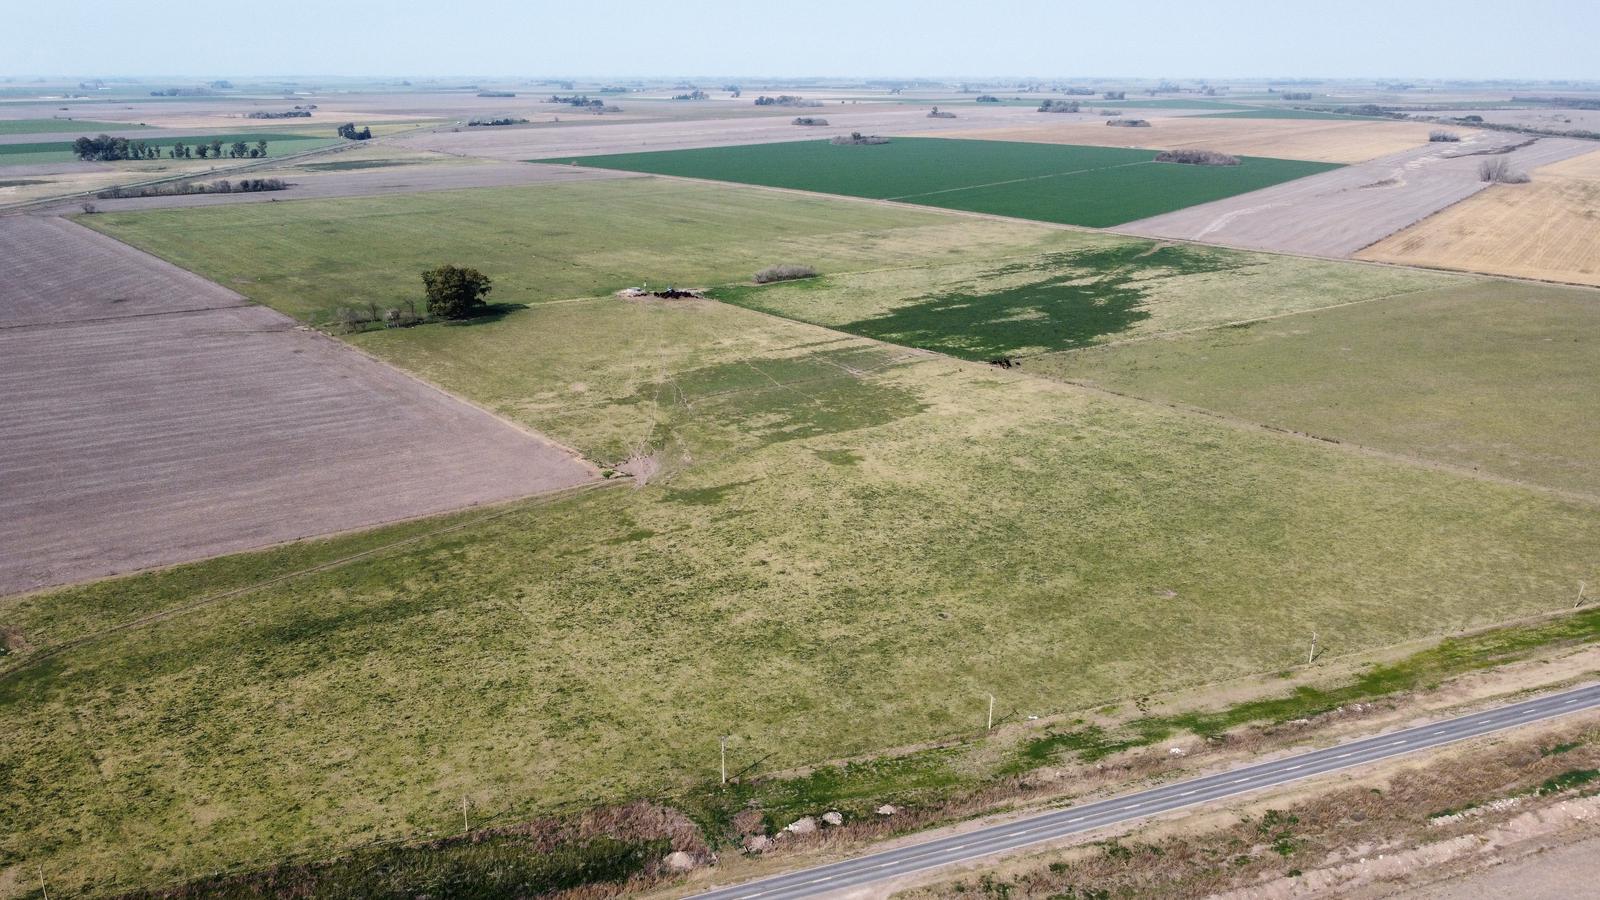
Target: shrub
{"points": [[857, 137], [1197, 157], [348, 132], [455, 292], [1059, 106], [1443, 137], [501, 121], [809, 120], [1498, 171], [936, 114], [785, 272], [987, 98], [1114, 95], [1128, 123]]}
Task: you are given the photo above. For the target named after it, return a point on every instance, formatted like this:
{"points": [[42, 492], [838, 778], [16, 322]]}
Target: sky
{"points": [[1459, 39]]}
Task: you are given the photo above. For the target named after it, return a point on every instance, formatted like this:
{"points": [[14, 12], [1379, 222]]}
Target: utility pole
{"points": [[1312, 656], [991, 713], [724, 742]]}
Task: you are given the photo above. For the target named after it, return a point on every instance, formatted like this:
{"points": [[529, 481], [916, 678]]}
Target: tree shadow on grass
{"points": [[492, 312]]}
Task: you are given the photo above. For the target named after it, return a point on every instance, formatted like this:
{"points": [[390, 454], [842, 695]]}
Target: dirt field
{"points": [[153, 418], [1556, 874], [1546, 229], [1308, 139], [587, 140], [398, 179], [1339, 213]]}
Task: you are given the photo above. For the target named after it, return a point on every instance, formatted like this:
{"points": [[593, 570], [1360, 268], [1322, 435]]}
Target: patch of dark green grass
{"points": [[1096, 292], [1568, 780]]}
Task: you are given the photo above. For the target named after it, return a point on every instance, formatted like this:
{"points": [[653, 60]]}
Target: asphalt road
{"points": [[876, 867]]}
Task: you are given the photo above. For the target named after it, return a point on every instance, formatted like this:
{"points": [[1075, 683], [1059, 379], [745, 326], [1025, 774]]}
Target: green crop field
{"points": [[848, 546], [1088, 186], [278, 144], [1493, 375], [53, 126]]}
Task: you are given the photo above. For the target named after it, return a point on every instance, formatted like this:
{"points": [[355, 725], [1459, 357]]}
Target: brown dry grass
{"points": [[1546, 229], [1318, 140]]}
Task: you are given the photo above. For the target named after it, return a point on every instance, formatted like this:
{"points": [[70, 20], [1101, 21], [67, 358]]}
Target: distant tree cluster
{"points": [[348, 132], [695, 94], [501, 121], [183, 92], [857, 137], [1564, 102], [224, 186], [296, 113], [1296, 95], [578, 100], [1059, 106], [1128, 123], [785, 100], [1114, 95], [111, 149], [936, 114], [809, 120], [496, 93], [784, 272], [732, 89], [1079, 92], [1197, 157], [987, 98]]}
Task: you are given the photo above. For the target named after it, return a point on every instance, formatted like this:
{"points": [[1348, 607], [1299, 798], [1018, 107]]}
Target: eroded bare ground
{"points": [[152, 418], [542, 142], [1338, 213], [407, 179]]}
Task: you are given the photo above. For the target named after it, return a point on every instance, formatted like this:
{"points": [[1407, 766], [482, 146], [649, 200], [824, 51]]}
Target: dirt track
{"points": [[180, 422], [1338, 213]]}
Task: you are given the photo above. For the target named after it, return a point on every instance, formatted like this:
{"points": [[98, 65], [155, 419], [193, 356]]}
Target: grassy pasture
{"points": [[547, 242], [1103, 289], [850, 546], [1493, 375], [862, 545], [55, 126], [1073, 185]]}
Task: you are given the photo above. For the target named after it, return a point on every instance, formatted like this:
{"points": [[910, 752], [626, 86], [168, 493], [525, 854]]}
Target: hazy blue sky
{"points": [[1399, 38]]}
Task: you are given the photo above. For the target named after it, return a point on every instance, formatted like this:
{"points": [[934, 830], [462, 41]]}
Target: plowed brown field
{"points": [[153, 417], [1318, 140], [1547, 229]]}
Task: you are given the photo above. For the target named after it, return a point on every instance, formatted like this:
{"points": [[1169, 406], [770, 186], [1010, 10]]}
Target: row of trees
{"points": [[112, 149]]}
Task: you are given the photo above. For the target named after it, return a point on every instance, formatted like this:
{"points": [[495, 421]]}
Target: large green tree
{"points": [[455, 292]]}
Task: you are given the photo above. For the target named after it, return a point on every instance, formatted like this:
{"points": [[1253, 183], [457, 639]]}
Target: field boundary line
{"points": [[102, 320], [498, 511], [973, 187]]}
